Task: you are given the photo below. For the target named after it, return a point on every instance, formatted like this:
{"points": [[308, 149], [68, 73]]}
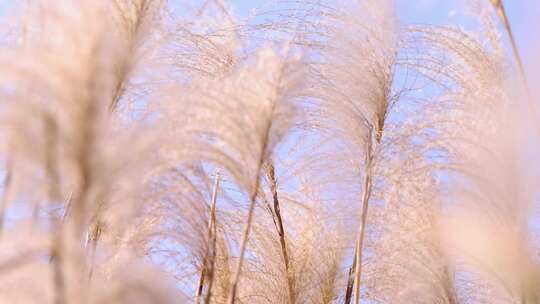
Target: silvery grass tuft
{"points": [[310, 152]]}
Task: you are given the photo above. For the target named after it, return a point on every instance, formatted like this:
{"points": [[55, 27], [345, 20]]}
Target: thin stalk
{"points": [[350, 281], [243, 242], [251, 208], [208, 261], [281, 233], [501, 12], [249, 220], [211, 266], [366, 194]]}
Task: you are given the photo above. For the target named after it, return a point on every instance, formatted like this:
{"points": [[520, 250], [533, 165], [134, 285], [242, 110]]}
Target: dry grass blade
{"points": [[278, 221], [209, 260]]}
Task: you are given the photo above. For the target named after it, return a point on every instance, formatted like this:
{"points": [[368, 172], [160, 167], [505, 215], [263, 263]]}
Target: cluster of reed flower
{"points": [[314, 152]]}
